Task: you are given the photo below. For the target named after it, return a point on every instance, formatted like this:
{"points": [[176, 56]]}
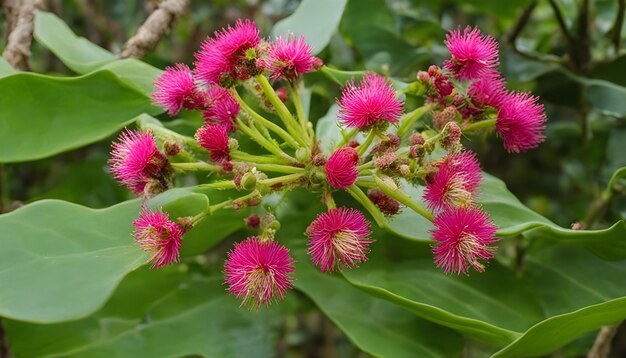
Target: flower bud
{"points": [[302, 154], [171, 148], [283, 94], [248, 181], [253, 221]]}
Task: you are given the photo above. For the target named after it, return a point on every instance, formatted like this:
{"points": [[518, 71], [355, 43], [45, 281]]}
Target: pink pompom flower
{"points": [[223, 58], [175, 89], [221, 108], [521, 122], [341, 171], [214, 138], [340, 236], [136, 160], [290, 57], [155, 233], [489, 90], [372, 101], [463, 236], [258, 271], [472, 53], [455, 184]]}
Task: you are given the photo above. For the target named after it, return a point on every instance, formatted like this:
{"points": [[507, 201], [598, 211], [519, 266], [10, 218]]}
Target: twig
{"points": [[157, 25], [521, 23], [561, 22], [4, 347], [17, 50], [602, 346], [11, 10]]}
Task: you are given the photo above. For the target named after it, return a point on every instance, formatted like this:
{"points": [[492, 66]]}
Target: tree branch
{"points": [[11, 10], [158, 24], [511, 36], [616, 31], [561, 22], [17, 50], [602, 346]]}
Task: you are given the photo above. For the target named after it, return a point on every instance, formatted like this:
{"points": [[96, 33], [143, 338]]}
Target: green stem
{"points": [[404, 199], [262, 141], [297, 102], [293, 142], [282, 179], [277, 168], [197, 166], [245, 157], [360, 196], [347, 137], [363, 147], [408, 120], [281, 109], [220, 185], [475, 127], [365, 166]]}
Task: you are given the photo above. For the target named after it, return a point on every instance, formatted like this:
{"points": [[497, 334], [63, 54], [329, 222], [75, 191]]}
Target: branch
{"points": [[11, 10], [561, 21], [158, 24], [616, 31], [512, 36], [602, 346], [17, 50]]}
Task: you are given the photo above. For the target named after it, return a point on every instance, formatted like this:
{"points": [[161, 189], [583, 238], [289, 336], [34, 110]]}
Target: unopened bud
{"points": [[417, 151], [302, 154], [317, 63], [451, 137], [186, 223], [233, 144], [283, 94], [253, 221], [319, 160], [386, 160], [405, 170], [248, 181], [446, 116], [171, 148], [353, 144], [416, 138]]}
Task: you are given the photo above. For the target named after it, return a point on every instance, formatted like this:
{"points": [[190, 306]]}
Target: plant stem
{"points": [[293, 142], [327, 196], [245, 157], [277, 168], [262, 141], [347, 137], [368, 141], [197, 166], [360, 196], [475, 127], [220, 185], [297, 102], [281, 109], [407, 121], [404, 199], [282, 179]]}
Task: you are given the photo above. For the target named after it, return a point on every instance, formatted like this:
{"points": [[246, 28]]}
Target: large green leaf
{"points": [[564, 292], [165, 313], [42, 115], [83, 56], [5, 68], [316, 20], [60, 261], [513, 218], [77, 53]]}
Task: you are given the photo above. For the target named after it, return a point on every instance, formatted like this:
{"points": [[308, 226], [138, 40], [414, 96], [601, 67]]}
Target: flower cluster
{"points": [[384, 148]]}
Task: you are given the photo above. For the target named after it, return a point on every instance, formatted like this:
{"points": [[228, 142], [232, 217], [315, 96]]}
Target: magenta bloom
{"points": [[221, 108], [158, 235], [463, 236], [175, 89], [521, 122], [341, 171], [472, 53], [289, 57], [258, 271], [372, 101], [339, 236], [222, 59], [135, 160], [455, 184], [214, 138], [489, 90]]}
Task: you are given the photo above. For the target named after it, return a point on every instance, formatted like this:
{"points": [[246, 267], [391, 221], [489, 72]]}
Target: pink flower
{"points": [[175, 89], [135, 160], [222, 59], [339, 236], [455, 184], [214, 138], [463, 236], [521, 122], [221, 108], [472, 53], [156, 234], [341, 171], [372, 101], [258, 271], [289, 57], [489, 90]]}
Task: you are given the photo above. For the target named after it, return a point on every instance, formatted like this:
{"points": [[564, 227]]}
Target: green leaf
{"points": [[60, 261], [77, 53], [42, 115], [563, 286], [316, 20], [513, 218], [5, 68], [83, 56], [155, 313]]}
